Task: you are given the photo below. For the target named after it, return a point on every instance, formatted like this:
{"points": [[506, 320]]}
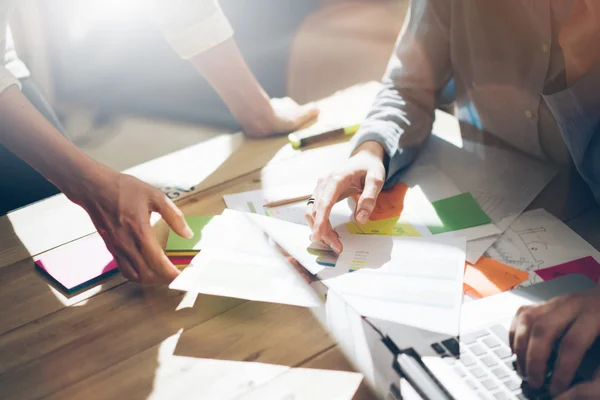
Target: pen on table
{"points": [[307, 137], [283, 202]]}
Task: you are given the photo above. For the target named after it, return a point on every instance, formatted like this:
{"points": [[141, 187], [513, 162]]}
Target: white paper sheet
{"points": [[253, 202], [293, 238], [228, 380], [308, 384], [539, 240], [413, 281], [503, 182], [346, 327], [245, 276]]}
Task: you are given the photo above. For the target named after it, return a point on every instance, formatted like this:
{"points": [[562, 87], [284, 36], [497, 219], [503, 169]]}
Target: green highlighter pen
{"points": [[307, 137]]}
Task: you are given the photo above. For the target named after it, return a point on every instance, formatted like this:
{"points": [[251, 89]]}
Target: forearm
{"points": [[403, 112], [26, 133], [225, 69]]}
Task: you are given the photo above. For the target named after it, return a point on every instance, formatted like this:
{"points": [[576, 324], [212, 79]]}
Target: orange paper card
{"points": [[489, 277], [390, 203]]}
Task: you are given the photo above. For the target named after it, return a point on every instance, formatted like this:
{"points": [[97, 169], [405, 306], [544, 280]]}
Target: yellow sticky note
{"points": [[353, 227], [489, 277], [385, 227]]}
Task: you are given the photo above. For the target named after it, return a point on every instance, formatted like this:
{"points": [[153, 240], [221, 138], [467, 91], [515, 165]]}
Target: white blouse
{"points": [[190, 27]]}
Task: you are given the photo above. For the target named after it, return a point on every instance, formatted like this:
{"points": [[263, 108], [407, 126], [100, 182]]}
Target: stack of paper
{"points": [[181, 251]]}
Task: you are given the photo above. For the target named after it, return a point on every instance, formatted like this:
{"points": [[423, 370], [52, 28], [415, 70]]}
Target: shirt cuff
{"points": [[205, 34], [581, 100], [7, 79], [389, 138]]}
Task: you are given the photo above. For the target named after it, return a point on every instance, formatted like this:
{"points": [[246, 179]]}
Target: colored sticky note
{"points": [[458, 212], [488, 277], [386, 227], [587, 266], [177, 243], [78, 264], [390, 202]]}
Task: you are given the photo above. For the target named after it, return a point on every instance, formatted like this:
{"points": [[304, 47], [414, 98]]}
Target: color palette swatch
{"points": [[181, 251], [401, 211]]}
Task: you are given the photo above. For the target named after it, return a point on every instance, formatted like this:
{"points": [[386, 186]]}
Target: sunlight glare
{"points": [[78, 300]]}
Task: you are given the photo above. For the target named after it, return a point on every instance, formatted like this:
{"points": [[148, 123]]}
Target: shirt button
{"points": [[545, 47], [528, 114]]}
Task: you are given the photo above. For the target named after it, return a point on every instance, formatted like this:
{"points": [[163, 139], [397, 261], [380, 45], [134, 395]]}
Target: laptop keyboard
{"points": [[485, 363]]}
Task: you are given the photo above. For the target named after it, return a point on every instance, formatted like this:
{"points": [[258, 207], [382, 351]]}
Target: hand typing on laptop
{"points": [[554, 337]]}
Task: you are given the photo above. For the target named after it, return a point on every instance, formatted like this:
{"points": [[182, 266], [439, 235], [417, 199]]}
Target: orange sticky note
{"points": [[390, 203], [489, 277]]}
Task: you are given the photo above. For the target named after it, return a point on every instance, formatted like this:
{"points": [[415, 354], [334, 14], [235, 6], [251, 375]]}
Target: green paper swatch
{"points": [[458, 212], [197, 223]]}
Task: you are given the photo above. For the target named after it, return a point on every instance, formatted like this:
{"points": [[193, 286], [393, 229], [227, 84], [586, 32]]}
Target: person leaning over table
{"points": [[527, 71], [118, 204]]}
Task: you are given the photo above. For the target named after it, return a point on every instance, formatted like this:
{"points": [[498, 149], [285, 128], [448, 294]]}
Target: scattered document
{"points": [[412, 281], [308, 384], [587, 266], [488, 277], [346, 327], [245, 276], [254, 202], [538, 240], [229, 380], [503, 182], [293, 238], [240, 259]]}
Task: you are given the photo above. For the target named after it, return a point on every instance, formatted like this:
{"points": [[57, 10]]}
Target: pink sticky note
{"points": [[78, 263], [587, 266]]}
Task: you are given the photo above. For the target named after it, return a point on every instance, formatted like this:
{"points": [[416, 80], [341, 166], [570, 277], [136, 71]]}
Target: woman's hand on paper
{"points": [[363, 173], [572, 324], [120, 207]]}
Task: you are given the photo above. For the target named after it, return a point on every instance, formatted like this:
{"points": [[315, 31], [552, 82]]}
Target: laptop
{"points": [[478, 364], [404, 362]]}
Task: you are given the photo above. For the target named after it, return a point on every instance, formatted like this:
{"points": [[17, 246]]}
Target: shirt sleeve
{"points": [[576, 112], [191, 26], [402, 115], [7, 79]]}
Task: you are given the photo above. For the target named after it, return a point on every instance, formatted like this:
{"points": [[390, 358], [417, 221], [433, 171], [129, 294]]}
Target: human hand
{"points": [[120, 207], [363, 173], [284, 116], [579, 37], [588, 390], [571, 322]]}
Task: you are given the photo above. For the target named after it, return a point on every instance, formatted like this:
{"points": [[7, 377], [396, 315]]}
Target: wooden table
{"points": [[115, 340]]}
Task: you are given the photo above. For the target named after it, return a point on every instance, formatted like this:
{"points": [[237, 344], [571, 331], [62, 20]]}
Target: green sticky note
{"points": [[458, 212], [197, 223]]}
